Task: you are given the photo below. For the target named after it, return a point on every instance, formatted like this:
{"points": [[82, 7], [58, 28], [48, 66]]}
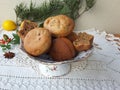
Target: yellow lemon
{"points": [[9, 25]]}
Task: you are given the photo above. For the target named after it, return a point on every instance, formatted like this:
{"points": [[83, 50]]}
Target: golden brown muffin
{"points": [[37, 41], [60, 25], [82, 45], [25, 27], [84, 42], [72, 36], [86, 36], [62, 49]]}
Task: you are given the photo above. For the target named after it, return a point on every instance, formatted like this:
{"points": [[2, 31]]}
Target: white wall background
{"points": [[105, 15]]}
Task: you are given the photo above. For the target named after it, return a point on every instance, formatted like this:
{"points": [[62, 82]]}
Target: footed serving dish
{"points": [[51, 68]]}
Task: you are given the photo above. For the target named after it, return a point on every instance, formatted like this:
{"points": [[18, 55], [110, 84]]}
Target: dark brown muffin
{"points": [[62, 49]]}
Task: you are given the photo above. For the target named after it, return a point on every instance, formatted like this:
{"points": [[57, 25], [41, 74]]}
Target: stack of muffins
{"points": [[55, 38]]}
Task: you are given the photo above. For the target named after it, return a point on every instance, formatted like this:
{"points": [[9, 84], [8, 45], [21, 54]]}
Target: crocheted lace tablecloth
{"points": [[102, 71]]}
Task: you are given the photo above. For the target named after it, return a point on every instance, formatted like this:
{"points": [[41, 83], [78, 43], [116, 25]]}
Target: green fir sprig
{"points": [[39, 13]]}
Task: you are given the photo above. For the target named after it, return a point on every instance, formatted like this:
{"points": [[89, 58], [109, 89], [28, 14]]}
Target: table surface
{"points": [[101, 72]]}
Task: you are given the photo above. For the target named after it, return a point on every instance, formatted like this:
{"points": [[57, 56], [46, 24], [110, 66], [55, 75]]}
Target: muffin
{"points": [[72, 36], [62, 49], [37, 41], [86, 36], [82, 45], [83, 42], [60, 25], [25, 27]]}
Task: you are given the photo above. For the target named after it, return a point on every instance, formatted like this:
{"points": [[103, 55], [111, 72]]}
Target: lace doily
{"points": [[22, 73]]}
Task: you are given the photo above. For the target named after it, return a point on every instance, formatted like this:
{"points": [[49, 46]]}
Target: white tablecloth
{"points": [[101, 73]]}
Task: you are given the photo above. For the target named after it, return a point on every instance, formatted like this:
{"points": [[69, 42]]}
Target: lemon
{"points": [[9, 25]]}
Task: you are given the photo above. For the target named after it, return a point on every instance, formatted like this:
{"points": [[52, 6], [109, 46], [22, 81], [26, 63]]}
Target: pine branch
{"points": [[51, 8]]}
